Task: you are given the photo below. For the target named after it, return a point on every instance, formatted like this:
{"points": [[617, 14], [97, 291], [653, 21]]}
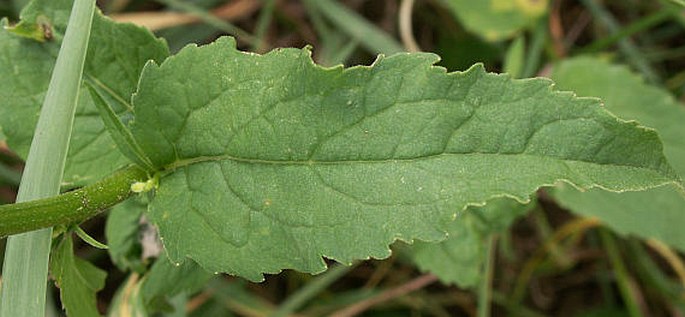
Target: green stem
{"points": [[513, 308], [310, 290], [26, 258], [625, 45], [485, 290], [210, 19], [263, 23], [371, 37], [625, 32], [71, 207], [625, 285], [534, 52], [652, 276]]}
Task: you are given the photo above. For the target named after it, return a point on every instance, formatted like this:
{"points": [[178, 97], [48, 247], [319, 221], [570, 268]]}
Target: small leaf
{"points": [[495, 20], [147, 295], [128, 301], [117, 130], [40, 31], [165, 280], [648, 214], [121, 232], [77, 279], [274, 156], [459, 259]]}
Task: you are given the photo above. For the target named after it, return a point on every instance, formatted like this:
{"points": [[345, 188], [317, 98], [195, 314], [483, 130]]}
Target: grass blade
{"points": [[26, 259], [371, 37], [311, 289]]}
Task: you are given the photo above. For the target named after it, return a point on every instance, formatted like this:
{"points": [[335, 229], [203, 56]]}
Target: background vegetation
{"points": [[550, 261]]}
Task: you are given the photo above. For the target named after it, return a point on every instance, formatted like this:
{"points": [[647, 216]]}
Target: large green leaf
{"points": [[460, 258], [496, 20], [116, 55], [77, 279], [272, 162], [649, 214]]}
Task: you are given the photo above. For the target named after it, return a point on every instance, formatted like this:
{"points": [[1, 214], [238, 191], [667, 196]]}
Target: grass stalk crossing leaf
{"points": [[26, 259]]}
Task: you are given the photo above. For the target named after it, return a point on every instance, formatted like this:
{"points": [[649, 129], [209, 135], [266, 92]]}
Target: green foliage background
{"points": [[271, 162]]}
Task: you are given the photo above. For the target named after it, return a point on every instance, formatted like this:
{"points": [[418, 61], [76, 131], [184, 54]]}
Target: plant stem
{"points": [[534, 51], [625, 45], [26, 258], [263, 23], [653, 277], [71, 207], [405, 23], [485, 290], [513, 308], [625, 283], [310, 290], [210, 19], [413, 285], [671, 257], [370, 36], [622, 33]]}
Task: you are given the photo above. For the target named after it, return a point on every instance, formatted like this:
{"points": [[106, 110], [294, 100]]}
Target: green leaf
{"points": [[495, 20], [118, 131], [460, 258], [122, 232], [277, 157], [116, 55], [165, 280], [152, 293], [357, 27], [77, 279], [649, 214], [128, 301], [26, 259], [514, 61]]}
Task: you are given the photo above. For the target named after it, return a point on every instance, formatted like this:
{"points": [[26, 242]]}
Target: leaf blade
{"points": [[496, 20], [77, 279], [274, 155], [460, 258], [627, 95]]}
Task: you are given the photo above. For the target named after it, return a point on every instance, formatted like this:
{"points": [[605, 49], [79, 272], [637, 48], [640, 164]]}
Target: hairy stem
{"points": [[72, 207]]}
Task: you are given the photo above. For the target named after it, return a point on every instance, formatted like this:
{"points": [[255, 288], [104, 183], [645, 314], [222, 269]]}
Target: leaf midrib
{"points": [[203, 159]]}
